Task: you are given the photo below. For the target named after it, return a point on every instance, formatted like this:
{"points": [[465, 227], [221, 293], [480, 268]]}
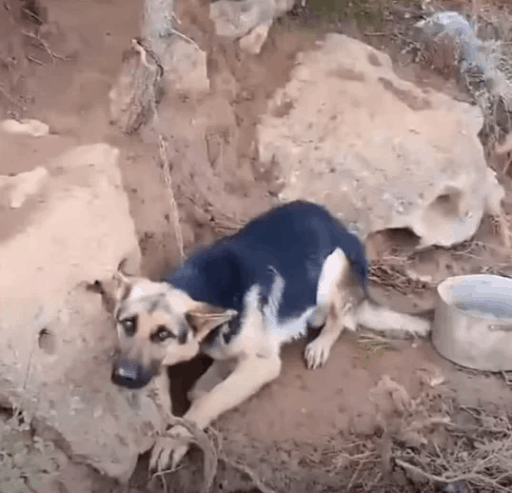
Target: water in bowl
{"points": [[495, 309]]}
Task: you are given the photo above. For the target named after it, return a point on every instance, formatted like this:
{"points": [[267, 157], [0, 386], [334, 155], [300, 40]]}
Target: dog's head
{"points": [[158, 326]]}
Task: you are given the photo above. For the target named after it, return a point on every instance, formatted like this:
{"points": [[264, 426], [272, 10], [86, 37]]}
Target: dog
{"points": [[292, 269]]}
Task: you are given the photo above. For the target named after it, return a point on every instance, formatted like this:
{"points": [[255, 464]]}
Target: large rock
{"points": [[236, 18], [379, 151], [56, 338]]}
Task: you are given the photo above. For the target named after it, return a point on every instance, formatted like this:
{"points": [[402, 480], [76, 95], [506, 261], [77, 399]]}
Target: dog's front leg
{"points": [[218, 371], [250, 374], [162, 396]]}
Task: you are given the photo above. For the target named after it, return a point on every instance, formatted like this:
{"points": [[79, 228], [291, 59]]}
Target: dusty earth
{"points": [[299, 433]]}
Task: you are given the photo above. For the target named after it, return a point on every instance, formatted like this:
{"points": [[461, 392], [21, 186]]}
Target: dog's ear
{"points": [[204, 317], [112, 290], [121, 286], [122, 282]]}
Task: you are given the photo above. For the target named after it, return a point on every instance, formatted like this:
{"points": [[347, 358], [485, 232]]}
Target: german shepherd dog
{"points": [[239, 300]]}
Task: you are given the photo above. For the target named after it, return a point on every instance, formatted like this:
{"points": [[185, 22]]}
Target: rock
{"points": [[185, 68], [478, 65], [253, 42], [35, 128], [56, 338], [14, 190], [378, 151], [142, 82], [183, 62], [235, 18], [136, 91]]}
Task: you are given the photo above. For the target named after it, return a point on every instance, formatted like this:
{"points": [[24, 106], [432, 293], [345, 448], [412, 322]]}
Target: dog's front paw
{"points": [[317, 353], [170, 449]]}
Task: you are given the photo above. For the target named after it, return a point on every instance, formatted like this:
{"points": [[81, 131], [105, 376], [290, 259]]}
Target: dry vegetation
{"points": [[421, 445]]}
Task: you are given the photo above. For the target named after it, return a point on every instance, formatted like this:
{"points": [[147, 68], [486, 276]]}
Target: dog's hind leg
{"points": [[317, 351], [334, 303]]}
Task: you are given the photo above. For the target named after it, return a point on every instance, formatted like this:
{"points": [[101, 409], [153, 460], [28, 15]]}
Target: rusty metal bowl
{"points": [[473, 322]]}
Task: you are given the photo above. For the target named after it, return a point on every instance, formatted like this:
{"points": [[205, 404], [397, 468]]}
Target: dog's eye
{"points": [[162, 333], [129, 325]]}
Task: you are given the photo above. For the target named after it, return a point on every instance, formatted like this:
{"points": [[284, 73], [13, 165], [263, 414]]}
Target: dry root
{"points": [[478, 457], [481, 457], [211, 447], [207, 447], [389, 272], [137, 89]]}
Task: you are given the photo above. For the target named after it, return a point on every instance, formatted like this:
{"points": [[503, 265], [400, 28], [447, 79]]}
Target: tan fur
{"points": [[203, 317], [256, 363], [253, 355], [333, 315], [162, 392], [382, 318], [248, 377], [216, 373], [132, 296], [217, 397]]}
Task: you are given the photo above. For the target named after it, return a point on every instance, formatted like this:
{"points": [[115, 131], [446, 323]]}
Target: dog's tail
{"points": [[380, 318]]}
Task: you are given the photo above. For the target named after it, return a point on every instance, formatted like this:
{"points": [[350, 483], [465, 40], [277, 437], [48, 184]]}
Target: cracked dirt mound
{"points": [[297, 432]]}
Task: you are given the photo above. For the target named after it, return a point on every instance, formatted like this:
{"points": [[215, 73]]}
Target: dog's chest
{"points": [[257, 331]]}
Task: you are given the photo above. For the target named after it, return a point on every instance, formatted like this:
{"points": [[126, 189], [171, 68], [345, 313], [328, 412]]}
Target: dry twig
{"points": [[54, 56], [244, 469], [201, 439], [482, 456], [144, 54], [239, 466], [9, 98], [168, 182]]}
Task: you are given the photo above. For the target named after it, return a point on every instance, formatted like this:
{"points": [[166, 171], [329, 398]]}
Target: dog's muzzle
{"points": [[131, 374]]}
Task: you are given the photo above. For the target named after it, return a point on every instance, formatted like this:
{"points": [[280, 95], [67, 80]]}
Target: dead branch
{"points": [[210, 461], [168, 182], [244, 469], [54, 56]]}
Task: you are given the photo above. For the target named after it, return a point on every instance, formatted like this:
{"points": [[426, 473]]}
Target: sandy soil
{"points": [[293, 432]]}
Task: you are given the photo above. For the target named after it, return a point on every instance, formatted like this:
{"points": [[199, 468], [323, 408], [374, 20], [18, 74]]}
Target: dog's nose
{"points": [[131, 374]]}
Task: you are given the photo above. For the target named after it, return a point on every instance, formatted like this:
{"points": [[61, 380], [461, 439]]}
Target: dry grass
{"points": [[481, 456], [422, 446], [491, 90], [27, 463], [389, 272]]}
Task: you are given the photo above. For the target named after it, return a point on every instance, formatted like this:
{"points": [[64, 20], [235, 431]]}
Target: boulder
{"points": [[185, 68], [378, 151], [56, 337], [254, 41], [25, 126], [14, 190], [234, 19]]}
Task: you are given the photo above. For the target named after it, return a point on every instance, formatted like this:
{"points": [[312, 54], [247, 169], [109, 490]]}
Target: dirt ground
{"points": [[311, 431]]}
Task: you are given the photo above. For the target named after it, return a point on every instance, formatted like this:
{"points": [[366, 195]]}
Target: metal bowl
{"points": [[473, 322]]}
